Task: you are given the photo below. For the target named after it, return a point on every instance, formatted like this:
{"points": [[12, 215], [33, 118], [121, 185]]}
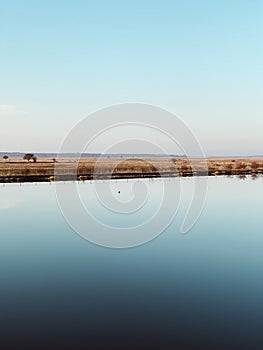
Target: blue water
{"points": [[202, 290]]}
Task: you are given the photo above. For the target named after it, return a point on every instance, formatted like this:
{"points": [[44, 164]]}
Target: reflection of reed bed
{"points": [[16, 170]]}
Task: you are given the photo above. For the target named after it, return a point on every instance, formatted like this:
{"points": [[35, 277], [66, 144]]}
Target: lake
{"points": [[199, 290]]}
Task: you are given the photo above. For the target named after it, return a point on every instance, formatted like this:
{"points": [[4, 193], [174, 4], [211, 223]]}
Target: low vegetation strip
{"points": [[37, 170]]}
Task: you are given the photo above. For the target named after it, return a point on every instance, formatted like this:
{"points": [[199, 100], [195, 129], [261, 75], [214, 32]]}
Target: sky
{"points": [[201, 60]]}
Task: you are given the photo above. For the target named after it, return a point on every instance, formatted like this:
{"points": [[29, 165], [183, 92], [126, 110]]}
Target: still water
{"points": [[200, 290]]}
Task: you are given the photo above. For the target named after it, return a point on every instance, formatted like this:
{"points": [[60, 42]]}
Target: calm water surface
{"points": [[195, 291]]}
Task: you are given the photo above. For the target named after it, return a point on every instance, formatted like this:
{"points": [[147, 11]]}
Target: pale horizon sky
{"points": [[201, 60]]}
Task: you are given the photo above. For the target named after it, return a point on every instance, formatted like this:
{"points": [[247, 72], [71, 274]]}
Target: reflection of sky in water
{"points": [[145, 195], [204, 287]]}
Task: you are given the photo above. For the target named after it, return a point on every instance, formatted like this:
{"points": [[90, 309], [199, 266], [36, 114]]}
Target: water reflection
{"points": [[202, 290]]}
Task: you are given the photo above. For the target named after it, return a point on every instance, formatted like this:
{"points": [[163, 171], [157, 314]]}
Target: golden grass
{"points": [[19, 170]]}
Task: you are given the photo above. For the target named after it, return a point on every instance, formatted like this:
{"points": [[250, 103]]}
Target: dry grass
{"points": [[19, 170]]}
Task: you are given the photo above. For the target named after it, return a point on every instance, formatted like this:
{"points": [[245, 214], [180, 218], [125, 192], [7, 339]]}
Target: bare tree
{"points": [[28, 156]]}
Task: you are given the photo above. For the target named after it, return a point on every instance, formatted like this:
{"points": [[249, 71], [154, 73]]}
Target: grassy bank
{"points": [[17, 170]]}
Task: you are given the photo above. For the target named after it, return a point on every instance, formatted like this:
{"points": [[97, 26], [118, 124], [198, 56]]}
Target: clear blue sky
{"points": [[202, 60]]}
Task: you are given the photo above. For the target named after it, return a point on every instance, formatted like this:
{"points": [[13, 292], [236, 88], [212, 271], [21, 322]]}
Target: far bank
{"points": [[69, 169]]}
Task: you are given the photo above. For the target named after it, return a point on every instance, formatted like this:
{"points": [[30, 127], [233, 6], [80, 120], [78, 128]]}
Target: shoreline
{"points": [[49, 170]]}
